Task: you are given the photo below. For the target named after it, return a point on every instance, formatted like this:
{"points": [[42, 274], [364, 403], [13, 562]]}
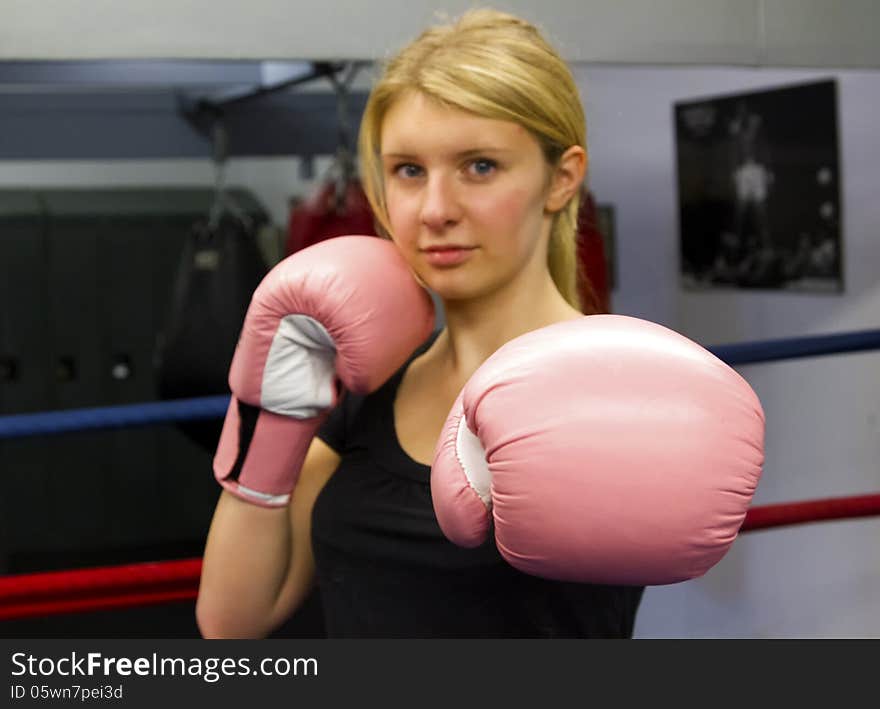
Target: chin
{"points": [[450, 291]]}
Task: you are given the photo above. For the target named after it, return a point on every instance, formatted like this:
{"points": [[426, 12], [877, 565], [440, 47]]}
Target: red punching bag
{"points": [[594, 283], [326, 214]]}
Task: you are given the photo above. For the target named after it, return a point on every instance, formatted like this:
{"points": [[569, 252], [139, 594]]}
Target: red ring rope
{"points": [[789, 513], [101, 588], [104, 588]]}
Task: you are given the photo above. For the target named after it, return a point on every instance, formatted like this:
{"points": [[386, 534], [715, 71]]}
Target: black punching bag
{"points": [[219, 270]]}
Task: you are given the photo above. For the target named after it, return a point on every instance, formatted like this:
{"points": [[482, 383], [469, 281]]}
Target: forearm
{"points": [[246, 562]]}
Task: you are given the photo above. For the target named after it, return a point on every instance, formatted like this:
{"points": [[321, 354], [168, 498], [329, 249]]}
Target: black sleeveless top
{"points": [[385, 570]]}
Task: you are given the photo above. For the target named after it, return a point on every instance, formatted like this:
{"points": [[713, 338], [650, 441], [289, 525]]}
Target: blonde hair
{"points": [[498, 66]]}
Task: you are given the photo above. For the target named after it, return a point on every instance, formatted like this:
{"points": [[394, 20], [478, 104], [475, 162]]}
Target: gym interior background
{"points": [[94, 102]]}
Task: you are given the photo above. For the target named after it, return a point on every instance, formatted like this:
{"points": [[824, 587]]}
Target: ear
{"points": [[567, 178]]}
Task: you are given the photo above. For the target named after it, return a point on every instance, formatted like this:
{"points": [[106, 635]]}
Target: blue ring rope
{"points": [[104, 417], [214, 407], [796, 347]]}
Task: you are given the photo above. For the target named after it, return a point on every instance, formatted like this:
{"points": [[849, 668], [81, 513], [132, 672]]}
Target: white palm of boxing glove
{"points": [[345, 312], [605, 449]]}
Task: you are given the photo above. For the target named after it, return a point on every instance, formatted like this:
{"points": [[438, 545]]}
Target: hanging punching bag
{"points": [[593, 263], [323, 216], [218, 272]]}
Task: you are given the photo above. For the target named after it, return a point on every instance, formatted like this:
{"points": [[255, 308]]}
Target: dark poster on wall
{"points": [[759, 190]]}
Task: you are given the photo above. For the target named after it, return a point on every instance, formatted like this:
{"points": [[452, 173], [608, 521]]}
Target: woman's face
{"points": [[465, 195]]}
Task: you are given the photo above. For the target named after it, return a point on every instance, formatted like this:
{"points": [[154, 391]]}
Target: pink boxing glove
{"points": [[606, 449], [344, 310]]}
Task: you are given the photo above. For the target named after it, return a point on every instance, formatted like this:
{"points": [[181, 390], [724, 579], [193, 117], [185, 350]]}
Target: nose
{"points": [[440, 205]]}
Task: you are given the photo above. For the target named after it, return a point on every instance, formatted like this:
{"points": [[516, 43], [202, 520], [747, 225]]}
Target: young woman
{"points": [[472, 150]]}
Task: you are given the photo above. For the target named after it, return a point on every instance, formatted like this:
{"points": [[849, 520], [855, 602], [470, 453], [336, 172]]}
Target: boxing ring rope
{"points": [[110, 417], [789, 513], [136, 585], [101, 588], [212, 407]]}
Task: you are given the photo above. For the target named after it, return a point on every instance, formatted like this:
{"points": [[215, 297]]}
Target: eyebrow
{"points": [[463, 154]]}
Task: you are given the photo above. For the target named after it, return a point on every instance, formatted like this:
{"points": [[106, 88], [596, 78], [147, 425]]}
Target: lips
{"points": [[448, 247], [447, 255]]}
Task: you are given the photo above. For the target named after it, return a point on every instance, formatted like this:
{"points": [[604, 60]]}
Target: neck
{"points": [[477, 328]]}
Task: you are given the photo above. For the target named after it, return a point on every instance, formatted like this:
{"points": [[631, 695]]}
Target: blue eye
{"points": [[407, 170], [483, 167]]}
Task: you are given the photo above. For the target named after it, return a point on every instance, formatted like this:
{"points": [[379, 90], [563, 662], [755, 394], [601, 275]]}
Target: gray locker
{"points": [[23, 387], [102, 264], [23, 359], [75, 337]]}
